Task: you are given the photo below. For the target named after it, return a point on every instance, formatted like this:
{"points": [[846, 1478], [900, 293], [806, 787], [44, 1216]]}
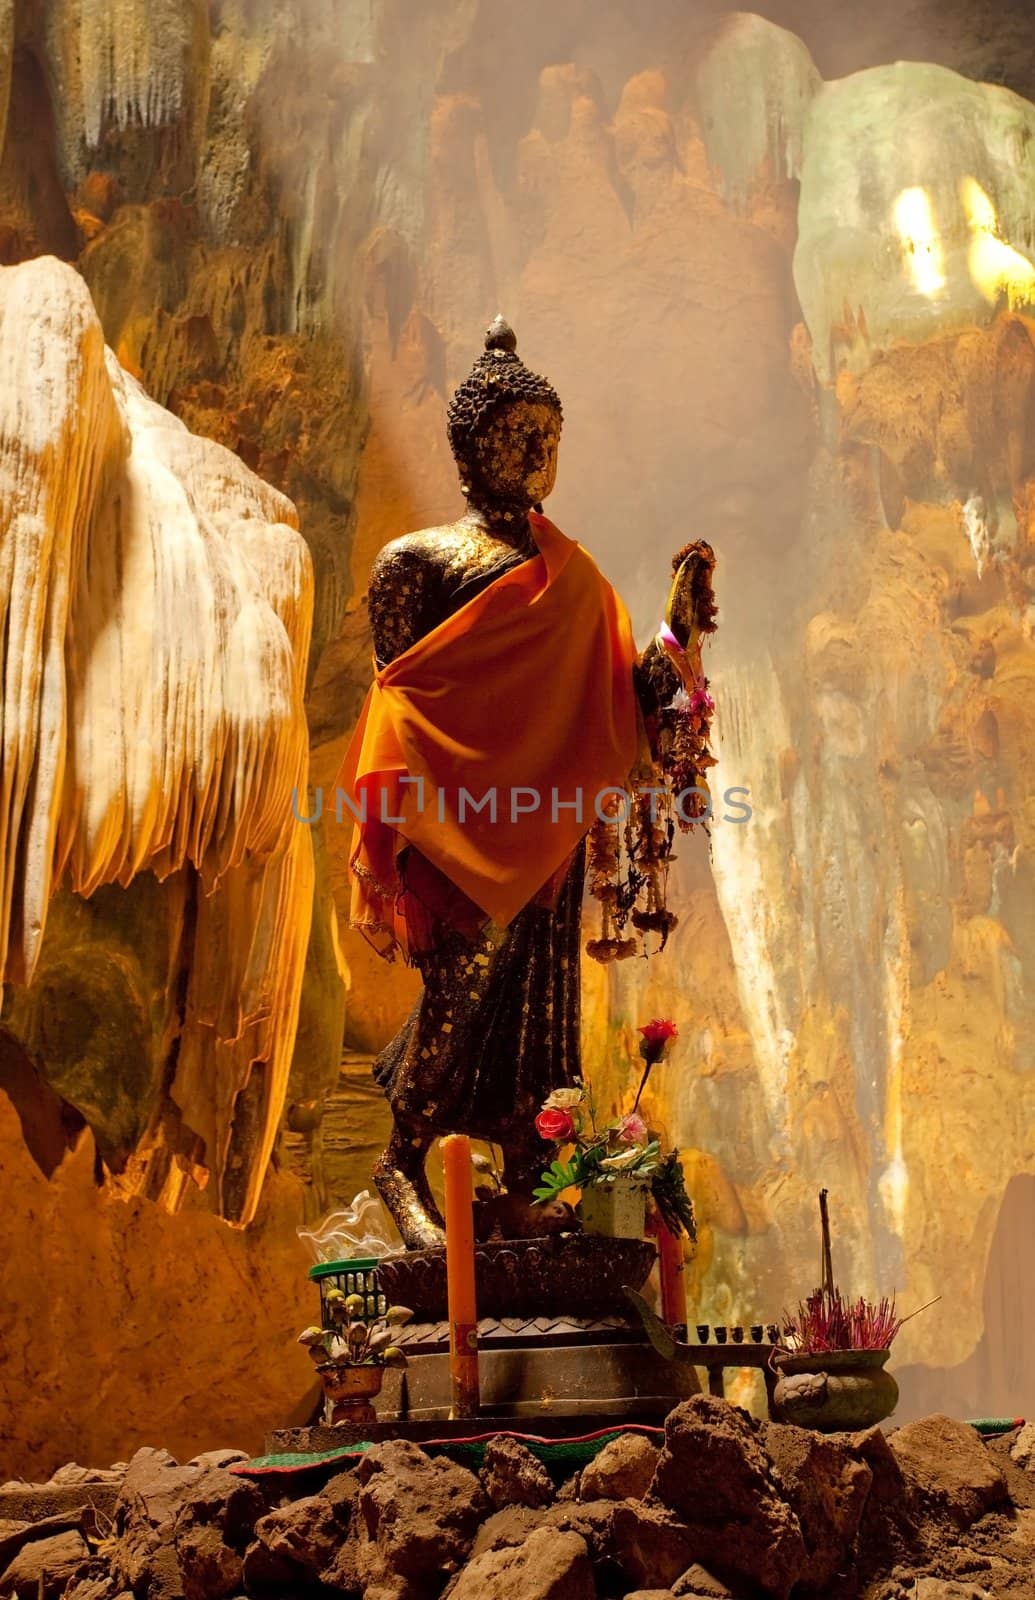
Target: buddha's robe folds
{"points": [[475, 770]]}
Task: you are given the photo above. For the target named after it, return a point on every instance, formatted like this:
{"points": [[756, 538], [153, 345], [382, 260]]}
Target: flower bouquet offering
{"points": [[592, 1154]]}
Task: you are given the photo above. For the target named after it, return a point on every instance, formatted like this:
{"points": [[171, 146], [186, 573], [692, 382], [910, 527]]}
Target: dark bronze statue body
{"points": [[496, 1028]]}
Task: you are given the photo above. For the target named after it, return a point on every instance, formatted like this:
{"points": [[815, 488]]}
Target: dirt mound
{"points": [[729, 1509]]}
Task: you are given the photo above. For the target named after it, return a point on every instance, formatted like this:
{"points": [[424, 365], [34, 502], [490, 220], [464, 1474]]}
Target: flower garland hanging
{"points": [[630, 849]]}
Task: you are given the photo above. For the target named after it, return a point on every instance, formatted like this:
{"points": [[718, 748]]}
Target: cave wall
{"points": [[293, 222]]}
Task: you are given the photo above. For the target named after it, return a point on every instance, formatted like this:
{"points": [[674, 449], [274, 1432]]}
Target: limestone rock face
{"points": [[155, 890], [755, 87], [158, 600], [293, 226], [902, 236]]}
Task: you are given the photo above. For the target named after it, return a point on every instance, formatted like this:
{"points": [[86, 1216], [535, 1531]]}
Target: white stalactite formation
{"points": [[157, 604]]}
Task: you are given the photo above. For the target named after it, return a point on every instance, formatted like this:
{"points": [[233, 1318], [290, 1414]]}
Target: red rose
{"points": [[658, 1032], [555, 1125], [656, 1036]]}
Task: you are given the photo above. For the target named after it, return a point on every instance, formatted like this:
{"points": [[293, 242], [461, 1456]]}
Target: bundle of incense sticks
{"points": [[826, 1321]]}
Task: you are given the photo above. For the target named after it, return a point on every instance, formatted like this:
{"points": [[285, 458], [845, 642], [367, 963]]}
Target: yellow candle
{"points": [[463, 1315]]}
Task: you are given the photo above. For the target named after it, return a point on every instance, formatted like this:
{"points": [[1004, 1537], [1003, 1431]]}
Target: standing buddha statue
{"points": [[508, 698]]}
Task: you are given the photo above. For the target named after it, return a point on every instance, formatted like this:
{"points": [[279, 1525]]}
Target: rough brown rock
{"points": [[948, 1468], [949, 1589], [650, 1545], [508, 1527], [415, 1524], [222, 252], [623, 1470], [1023, 1448], [223, 1500], [340, 1493], [208, 1568], [715, 1474], [592, 1521], [827, 1486], [43, 1566], [12, 1536], [182, 1530], [548, 1565], [153, 1493], [16, 1532], [697, 1583], [293, 1545], [218, 1458], [73, 1473], [99, 1586], [886, 1531], [512, 1476]]}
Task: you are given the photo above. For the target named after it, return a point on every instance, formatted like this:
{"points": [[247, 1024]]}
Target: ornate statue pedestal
{"points": [[532, 1366], [561, 1275], [555, 1334], [552, 1376], [560, 1350]]}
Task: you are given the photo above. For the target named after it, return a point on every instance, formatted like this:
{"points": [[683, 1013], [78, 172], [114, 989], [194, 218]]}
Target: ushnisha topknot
{"points": [[498, 377]]}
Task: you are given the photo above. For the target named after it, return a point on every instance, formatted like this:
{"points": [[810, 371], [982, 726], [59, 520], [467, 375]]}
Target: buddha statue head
{"points": [[504, 426]]}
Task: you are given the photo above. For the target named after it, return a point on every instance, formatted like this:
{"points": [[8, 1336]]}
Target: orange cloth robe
{"points": [[525, 694]]}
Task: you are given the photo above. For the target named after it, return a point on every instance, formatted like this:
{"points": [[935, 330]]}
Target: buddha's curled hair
{"points": [[498, 377]]}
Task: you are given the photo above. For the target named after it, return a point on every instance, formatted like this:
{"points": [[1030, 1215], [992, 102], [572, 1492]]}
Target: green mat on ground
{"points": [[560, 1457], [991, 1426]]}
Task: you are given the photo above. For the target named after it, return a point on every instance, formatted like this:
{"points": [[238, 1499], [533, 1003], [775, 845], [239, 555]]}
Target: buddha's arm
{"points": [[689, 615], [403, 599], [655, 678]]}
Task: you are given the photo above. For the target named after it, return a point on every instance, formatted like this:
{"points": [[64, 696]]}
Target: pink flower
{"points": [[632, 1129], [702, 702], [555, 1125]]}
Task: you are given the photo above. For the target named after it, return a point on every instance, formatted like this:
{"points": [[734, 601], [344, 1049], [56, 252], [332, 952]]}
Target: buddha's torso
{"points": [[422, 578]]}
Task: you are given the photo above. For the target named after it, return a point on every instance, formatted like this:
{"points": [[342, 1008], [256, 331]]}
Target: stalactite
{"points": [[754, 87], [158, 610], [903, 233], [6, 59], [133, 62]]}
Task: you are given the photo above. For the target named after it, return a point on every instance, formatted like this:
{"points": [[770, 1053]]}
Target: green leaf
{"points": [[559, 1175], [668, 1189]]}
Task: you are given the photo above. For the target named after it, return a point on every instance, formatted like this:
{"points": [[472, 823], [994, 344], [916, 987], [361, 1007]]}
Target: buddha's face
{"points": [[515, 454]]}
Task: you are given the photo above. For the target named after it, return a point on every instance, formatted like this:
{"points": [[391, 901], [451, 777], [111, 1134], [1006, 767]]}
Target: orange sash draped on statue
{"points": [[486, 744]]}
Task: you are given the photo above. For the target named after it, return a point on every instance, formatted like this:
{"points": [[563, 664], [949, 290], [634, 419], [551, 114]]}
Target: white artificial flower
{"points": [[623, 1162], [563, 1100]]}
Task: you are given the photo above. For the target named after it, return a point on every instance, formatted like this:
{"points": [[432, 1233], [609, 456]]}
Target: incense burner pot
{"points": [[834, 1390]]}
